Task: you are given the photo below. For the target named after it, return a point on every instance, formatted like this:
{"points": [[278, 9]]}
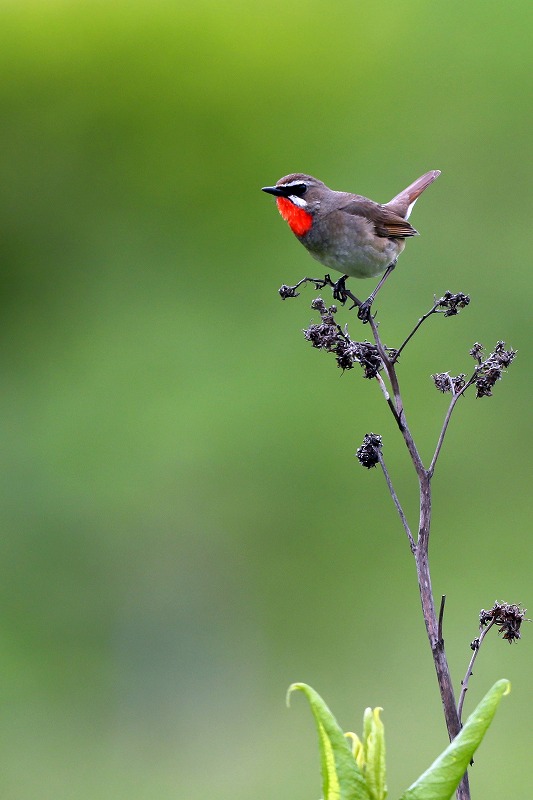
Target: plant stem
{"points": [[447, 418], [430, 617], [400, 413], [432, 627], [418, 324], [421, 549], [464, 682], [399, 508]]}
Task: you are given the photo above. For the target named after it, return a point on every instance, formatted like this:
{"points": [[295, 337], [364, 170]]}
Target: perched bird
{"points": [[346, 232]]}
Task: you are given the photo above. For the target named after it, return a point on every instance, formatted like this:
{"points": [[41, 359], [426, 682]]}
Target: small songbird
{"points": [[346, 232]]}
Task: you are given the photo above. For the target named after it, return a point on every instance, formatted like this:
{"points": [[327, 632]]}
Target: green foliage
{"points": [[360, 774], [342, 777], [442, 778]]}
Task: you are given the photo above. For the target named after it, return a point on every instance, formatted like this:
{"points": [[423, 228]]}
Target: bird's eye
{"points": [[299, 189]]}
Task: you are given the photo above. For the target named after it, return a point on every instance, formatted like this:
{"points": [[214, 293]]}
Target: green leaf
{"points": [[367, 726], [442, 778], [375, 754], [341, 777]]}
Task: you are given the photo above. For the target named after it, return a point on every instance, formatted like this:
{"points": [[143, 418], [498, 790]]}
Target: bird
{"points": [[347, 232]]}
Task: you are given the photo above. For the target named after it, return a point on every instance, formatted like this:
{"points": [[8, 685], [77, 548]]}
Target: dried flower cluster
{"points": [[451, 303], [444, 382], [368, 453], [487, 372], [507, 616], [287, 291], [328, 335], [490, 370]]}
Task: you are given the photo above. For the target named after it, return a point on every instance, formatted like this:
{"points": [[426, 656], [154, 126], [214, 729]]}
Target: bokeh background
{"points": [[185, 530]]}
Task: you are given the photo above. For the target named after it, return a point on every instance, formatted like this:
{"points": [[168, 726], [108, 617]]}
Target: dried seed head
{"points": [[442, 382], [319, 305], [323, 336], [508, 617], [287, 291], [451, 303], [490, 370], [328, 335], [477, 352], [368, 453]]}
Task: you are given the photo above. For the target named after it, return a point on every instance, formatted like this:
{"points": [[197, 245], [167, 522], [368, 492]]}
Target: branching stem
{"points": [[422, 319], [329, 336], [420, 548], [464, 683], [445, 424]]}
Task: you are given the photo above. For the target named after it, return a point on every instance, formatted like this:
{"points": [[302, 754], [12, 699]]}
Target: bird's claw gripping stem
{"points": [[340, 293], [339, 290], [364, 310]]}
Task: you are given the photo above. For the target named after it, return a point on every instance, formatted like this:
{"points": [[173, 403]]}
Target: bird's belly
{"points": [[357, 254], [366, 263]]}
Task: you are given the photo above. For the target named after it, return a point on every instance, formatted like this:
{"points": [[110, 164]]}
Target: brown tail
{"points": [[403, 203]]}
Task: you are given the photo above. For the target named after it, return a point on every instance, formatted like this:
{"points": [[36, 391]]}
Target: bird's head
{"points": [[298, 198]]}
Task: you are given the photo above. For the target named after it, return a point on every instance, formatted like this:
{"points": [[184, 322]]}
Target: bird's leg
{"points": [[364, 308]]}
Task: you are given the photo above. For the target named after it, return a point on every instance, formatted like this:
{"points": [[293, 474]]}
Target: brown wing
{"points": [[386, 222]]}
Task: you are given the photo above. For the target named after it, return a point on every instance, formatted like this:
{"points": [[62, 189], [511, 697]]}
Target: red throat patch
{"points": [[300, 221]]}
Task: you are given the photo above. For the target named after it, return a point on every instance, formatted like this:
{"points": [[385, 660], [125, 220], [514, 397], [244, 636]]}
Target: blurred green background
{"points": [[185, 530]]}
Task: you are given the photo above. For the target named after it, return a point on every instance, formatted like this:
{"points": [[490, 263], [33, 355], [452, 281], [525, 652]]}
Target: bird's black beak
{"points": [[277, 191]]}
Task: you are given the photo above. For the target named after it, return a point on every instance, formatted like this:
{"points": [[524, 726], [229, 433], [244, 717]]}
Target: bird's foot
{"points": [[339, 290], [364, 310]]}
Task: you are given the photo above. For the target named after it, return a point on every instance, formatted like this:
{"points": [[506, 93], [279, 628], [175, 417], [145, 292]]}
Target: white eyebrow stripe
{"points": [[294, 183]]}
